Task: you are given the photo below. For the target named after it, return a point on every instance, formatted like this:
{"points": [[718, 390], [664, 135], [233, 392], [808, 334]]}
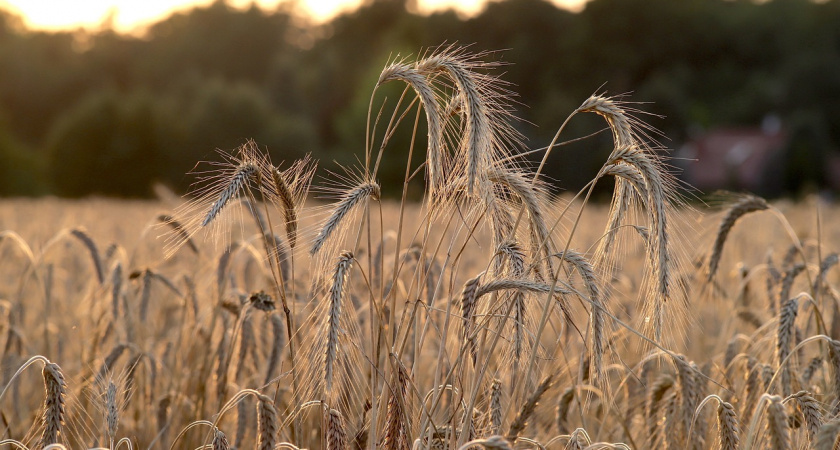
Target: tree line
{"points": [[104, 113]]}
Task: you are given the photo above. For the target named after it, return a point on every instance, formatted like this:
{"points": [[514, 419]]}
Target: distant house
{"points": [[740, 159]]}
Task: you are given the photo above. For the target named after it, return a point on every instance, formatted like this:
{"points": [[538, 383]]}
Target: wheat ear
{"points": [[656, 201], [563, 409], [336, 436], [54, 413], [477, 130], [809, 408], [424, 90], [396, 434], [112, 412], [342, 269], [777, 424], [352, 198], [834, 362], [220, 441], [496, 406], [266, 423], [85, 239], [827, 435], [468, 301], [238, 180], [746, 205], [728, 430], [597, 308], [784, 340], [521, 420], [287, 200]]}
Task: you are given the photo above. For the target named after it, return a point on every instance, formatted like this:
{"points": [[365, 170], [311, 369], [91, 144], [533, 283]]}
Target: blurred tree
{"points": [[111, 143], [216, 75]]}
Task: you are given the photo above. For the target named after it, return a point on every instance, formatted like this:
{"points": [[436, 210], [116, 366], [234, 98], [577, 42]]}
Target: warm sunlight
{"points": [[128, 15]]}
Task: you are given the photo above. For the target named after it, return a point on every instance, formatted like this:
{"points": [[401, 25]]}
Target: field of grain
{"points": [[493, 313]]}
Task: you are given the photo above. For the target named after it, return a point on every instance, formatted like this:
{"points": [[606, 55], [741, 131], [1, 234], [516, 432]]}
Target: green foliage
{"points": [[111, 143], [214, 76]]}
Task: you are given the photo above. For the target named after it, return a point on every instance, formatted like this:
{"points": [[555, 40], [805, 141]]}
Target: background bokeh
{"points": [[97, 112]]}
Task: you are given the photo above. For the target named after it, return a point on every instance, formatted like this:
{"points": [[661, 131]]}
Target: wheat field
{"points": [[272, 309]]}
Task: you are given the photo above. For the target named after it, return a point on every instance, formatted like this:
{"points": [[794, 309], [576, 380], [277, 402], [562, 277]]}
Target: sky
{"points": [[131, 15]]}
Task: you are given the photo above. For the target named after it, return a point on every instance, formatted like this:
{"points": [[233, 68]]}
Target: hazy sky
{"points": [[127, 15]]}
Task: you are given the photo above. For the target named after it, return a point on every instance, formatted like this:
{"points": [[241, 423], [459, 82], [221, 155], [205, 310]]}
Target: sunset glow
{"points": [[131, 15]]}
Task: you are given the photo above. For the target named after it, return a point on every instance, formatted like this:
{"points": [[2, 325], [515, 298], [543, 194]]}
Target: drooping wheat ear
{"points": [[813, 366], [521, 419], [532, 196], [276, 347], [777, 424], [116, 289], [336, 435], [656, 394], [418, 81], [524, 285], [355, 196], [342, 269], [728, 427], [599, 338], [477, 136], [246, 342], [578, 440], [689, 396], [220, 441], [397, 429], [496, 406], [809, 408], [111, 359], [145, 294], [827, 435], [656, 202], [266, 423], [784, 341], [752, 386], [834, 362], [468, 301], [85, 239], [54, 413], [751, 317], [627, 130], [767, 379], [746, 205], [787, 281], [671, 434], [773, 279], [563, 409], [827, 263], [511, 252]]}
